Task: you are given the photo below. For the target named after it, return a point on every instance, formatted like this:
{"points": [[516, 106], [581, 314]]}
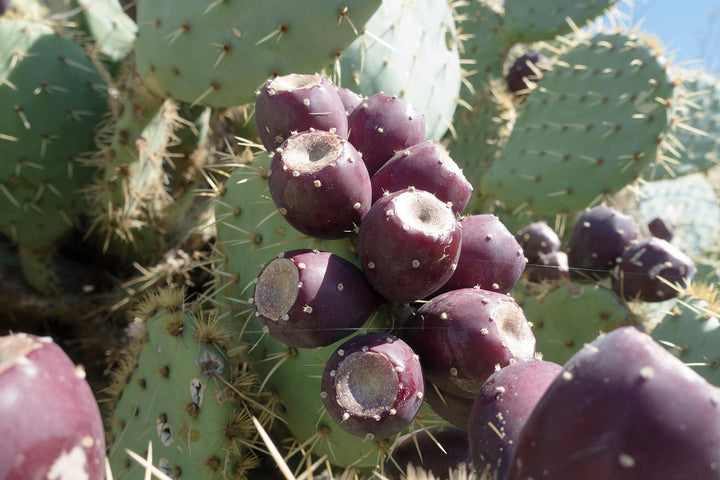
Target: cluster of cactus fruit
{"points": [[379, 239]]}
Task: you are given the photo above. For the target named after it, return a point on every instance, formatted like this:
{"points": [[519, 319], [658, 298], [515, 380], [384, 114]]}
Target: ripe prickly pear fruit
{"points": [[525, 71], [295, 103], [4, 5], [600, 235], [500, 410], [49, 419], [437, 450], [661, 229], [383, 125], [652, 270], [622, 408], [536, 238], [320, 184], [462, 335], [490, 257], [450, 407], [408, 244], [349, 98], [308, 298], [549, 267], [425, 166], [373, 385]]}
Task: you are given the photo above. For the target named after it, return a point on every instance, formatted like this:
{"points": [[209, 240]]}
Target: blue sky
{"points": [[690, 29]]}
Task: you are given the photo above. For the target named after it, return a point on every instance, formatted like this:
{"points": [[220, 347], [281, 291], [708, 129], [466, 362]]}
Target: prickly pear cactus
{"points": [[251, 232], [51, 99], [571, 315], [181, 389], [219, 53], [592, 125], [111, 30], [694, 141], [531, 21], [409, 50], [690, 330]]}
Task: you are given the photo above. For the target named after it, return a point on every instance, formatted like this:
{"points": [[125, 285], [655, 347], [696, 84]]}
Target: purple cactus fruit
{"points": [[309, 298], [549, 267], [537, 238], [599, 237], [623, 408], [49, 420], [383, 125], [320, 185], [350, 99], [450, 407], [652, 270], [294, 103], [661, 229], [408, 245], [526, 70], [437, 450], [501, 408], [490, 257], [462, 336], [4, 6], [373, 385], [425, 166]]}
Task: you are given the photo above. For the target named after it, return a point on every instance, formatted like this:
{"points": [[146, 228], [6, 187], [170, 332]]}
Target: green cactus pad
{"points": [[572, 314], [219, 52], [691, 331], [50, 101], [689, 204], [694, 144], [251, 232], [590, 127], [111, 30], [178, 392], [533, 21], [410, 50]]}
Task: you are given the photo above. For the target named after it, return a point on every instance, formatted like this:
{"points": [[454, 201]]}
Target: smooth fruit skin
{"points": [[538, 238], [623, 408], [49, 419], [462, 335], [310, 298], [408, 245], [500, 410], [372, 385], [295, 103], [320, 184]]}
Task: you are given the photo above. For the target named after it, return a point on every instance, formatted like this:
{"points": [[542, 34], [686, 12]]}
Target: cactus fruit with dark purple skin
{"points": [[652, 270], [4, 5], [349, 98], [549, 267], [600, 235], [490, 257], [661, 229], [383, 125], [373, 386], [452, 408], [623, 408], [500, 410], [436, 450], [49, 419], [295, 103], [425, 166], [462, 335], [408, 245], [525, 71], [308, 298], [320, 184], [536, 238]]}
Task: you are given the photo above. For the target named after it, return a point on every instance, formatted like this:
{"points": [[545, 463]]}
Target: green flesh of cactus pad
{"points": [[219, 52], [51, 99], [530, 21], [408, 49], [250, 233], [592, 125]]}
